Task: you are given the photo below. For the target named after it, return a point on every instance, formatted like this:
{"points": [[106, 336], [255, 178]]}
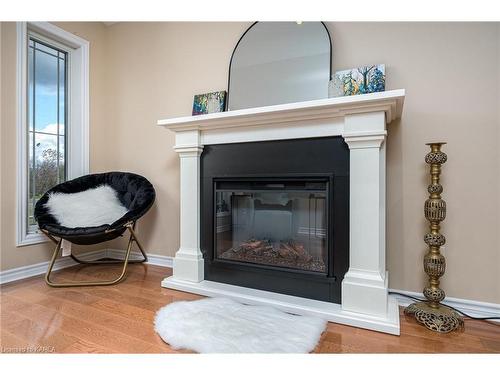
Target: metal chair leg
{"points": [[139, 245], [117, 261], [131, 240]]}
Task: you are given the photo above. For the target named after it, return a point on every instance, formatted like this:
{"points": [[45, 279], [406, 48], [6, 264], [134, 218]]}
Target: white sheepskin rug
{"points": [[220, 325], [89, 208]]}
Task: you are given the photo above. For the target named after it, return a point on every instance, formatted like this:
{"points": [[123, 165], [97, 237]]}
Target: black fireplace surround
{"points": [[275, 215]]}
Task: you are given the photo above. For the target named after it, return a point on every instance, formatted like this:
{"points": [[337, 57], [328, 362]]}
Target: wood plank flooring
{"points": [[119, 319]]}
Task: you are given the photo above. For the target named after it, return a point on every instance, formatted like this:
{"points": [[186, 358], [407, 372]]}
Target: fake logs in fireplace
{"points": [[290, 254]]}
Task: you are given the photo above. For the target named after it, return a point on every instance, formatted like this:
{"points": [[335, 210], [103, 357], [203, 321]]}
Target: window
{"points": [[47, 87], [52, 116]]}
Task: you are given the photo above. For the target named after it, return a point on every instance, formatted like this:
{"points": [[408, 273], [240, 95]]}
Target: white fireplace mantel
{"points": [[361, 120]]}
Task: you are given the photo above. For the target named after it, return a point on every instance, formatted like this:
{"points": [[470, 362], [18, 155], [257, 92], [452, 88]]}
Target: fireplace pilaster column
{"points": [[188, 262], [365, 285]]}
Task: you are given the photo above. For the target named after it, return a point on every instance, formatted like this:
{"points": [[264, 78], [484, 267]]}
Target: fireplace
{"points": [[275, 215], [341, 143]]}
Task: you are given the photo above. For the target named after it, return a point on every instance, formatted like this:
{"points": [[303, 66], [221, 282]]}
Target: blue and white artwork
{"points": [[362, 80]]}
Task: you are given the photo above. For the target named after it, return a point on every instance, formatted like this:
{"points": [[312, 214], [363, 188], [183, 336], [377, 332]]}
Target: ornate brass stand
{"points": [[432, 313]]}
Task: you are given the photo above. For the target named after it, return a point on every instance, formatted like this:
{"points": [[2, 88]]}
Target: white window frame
{"points": [[78, 114]]}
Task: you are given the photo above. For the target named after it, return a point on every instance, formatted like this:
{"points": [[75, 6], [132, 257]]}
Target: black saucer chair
{"points": [[135, 192]]}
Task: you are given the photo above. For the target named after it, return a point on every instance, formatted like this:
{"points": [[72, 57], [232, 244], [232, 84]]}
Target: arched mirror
{"points": [[280, 62]]}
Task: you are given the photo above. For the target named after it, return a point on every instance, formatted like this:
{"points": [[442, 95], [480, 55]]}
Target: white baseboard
{"points": [[474, 308], [471, 307], [40, 268], [154, 259]]}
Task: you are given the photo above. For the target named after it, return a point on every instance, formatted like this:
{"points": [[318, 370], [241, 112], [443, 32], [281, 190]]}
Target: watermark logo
{"points": [[28, 349]]}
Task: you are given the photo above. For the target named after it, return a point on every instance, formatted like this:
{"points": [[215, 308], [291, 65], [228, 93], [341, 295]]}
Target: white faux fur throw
{"points": [[89, 208], [220, 325]]}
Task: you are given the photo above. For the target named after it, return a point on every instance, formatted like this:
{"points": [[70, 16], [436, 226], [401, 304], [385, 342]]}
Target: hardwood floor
{"points": [[119, 319]]}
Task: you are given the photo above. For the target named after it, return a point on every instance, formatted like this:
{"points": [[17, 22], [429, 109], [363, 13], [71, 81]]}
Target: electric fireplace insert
{"points": [[273, 222]]}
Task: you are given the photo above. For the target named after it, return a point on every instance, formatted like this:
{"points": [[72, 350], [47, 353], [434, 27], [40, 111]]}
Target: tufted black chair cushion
{"points": [[135, 192]]}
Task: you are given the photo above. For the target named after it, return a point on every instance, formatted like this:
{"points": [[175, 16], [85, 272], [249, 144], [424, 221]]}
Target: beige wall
{"points": [[155, 69], [452, 76], [12, 256]]}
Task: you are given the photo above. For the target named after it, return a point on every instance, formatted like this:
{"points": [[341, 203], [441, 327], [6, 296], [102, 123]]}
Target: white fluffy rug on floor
{"points": [[220, 325]]}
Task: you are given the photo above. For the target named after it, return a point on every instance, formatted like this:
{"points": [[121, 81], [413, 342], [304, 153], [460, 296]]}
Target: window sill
{"points": [[32, 239]]}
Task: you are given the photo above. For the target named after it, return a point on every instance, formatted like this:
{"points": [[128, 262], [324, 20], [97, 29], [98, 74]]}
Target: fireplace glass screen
{"points": [[280, 224]]}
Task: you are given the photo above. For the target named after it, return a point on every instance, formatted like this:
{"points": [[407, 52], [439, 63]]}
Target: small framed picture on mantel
{"points": [[211, 102], [362, 80]]}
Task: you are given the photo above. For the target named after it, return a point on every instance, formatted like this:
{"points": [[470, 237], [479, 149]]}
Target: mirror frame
{"points": [[228, 97]]}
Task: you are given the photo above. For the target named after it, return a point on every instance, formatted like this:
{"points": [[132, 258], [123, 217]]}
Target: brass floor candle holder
{"points": [[432, 313]]}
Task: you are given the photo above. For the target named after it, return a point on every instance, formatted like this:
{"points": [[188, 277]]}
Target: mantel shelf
{"points": [[390, 102]]}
